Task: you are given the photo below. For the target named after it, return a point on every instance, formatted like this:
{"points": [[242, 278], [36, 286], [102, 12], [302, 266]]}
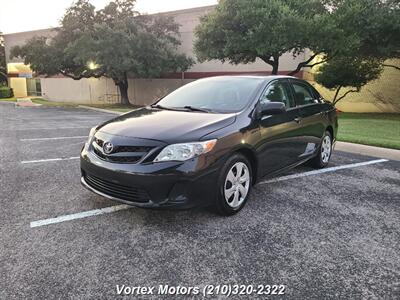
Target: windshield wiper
{"points": [[160, 107], [192, 108], [185, 108]]}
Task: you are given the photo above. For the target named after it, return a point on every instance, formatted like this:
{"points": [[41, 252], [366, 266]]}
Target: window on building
{"points": [[33, 87]]}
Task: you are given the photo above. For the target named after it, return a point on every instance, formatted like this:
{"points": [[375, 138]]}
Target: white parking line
{"points": [[326, 170], [54, 138], [111, 209], [48, 160], [47, 128], [80, 215]]}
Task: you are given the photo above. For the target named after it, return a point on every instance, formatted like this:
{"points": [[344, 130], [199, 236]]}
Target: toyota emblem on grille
{"points": [[108, 147]]}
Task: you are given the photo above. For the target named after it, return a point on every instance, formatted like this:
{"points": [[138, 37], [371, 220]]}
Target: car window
{"points": [[302, 94], [278, 91], [217, 94], [315, 92]]}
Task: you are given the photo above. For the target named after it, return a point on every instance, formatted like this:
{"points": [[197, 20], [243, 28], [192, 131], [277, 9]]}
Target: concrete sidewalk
{"points": [[25, 102], [368, 150]]}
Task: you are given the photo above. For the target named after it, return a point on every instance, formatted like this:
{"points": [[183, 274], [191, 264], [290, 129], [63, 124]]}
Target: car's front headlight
{"points": [[91, 134], [181, 152]]}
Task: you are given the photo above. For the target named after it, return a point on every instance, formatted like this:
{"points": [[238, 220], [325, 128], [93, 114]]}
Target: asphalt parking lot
{"points": [[323, 235]]}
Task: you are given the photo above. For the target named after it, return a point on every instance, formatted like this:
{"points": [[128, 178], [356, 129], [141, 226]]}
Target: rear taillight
{"points": [[338, 111]]}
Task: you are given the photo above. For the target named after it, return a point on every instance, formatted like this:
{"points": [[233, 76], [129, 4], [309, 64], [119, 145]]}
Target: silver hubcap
{"points": [[237, 184], [326, 149]]}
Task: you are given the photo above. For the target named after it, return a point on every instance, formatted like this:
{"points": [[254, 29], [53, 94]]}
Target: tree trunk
{"points": [[272, 61], [123, 89], [3, 76], [336, 95], [275, 65], [275, 68]]}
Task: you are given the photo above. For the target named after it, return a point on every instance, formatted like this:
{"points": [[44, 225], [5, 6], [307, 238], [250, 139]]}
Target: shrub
{"points": [[6, 92]]}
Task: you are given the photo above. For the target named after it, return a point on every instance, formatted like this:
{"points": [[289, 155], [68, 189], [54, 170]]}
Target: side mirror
{"points": [[273, 108]]}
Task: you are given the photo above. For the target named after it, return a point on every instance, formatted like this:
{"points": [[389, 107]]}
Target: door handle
{"points": [[297, 119]]}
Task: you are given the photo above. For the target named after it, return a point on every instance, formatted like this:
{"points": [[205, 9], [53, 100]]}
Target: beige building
{"points": [[145, 91]]}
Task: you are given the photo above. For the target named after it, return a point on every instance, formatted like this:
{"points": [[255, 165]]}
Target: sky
{"points": [[25, 15]]}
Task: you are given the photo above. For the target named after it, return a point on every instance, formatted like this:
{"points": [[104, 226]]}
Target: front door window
{"points": [[278, 91]]}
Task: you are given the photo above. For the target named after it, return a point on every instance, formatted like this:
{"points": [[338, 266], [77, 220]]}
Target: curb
{"points": [[373, 151], [102, 110], [8, 102]]}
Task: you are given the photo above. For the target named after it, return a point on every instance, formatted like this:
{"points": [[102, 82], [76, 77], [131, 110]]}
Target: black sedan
{"points": [[208, 142]]}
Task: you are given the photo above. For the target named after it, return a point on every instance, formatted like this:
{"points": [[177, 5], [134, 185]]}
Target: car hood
{"points": [[166, 125]]}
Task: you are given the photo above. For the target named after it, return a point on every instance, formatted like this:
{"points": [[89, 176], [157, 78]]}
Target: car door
{"points": [[311, 112], [279, 145]]}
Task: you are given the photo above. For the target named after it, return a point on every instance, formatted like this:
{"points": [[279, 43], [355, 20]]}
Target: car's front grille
{"points": [[120, 153], [128, 193]]}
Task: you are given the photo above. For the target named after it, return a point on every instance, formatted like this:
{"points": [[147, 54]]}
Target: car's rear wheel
{"points": [[321, 160], [234, 185]]}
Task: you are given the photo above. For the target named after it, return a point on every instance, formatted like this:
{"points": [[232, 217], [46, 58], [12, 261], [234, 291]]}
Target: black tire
{"points": [[318, 161], [222, 205]]}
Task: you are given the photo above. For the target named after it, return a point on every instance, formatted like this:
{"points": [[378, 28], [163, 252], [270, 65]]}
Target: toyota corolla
{"points": [[208, 142]]}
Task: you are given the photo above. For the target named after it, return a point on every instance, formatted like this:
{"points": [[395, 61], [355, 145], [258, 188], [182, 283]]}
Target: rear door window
{"points": [[303, 94]]}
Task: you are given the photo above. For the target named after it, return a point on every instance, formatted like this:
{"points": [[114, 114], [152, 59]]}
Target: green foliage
{"points": [[39, 55], [348, 73], [344, 72], [115, 42], [6, 92], [372, 25], [373, 28], [239, 31]]}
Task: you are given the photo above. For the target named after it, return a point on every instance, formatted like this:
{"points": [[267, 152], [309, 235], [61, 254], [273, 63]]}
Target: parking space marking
{"points": [[45, 128], [48, 160], [326, 170], [115, 208], [54, 138], [80, 215]]}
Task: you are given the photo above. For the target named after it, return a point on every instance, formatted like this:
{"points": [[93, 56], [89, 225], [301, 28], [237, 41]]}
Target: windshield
{"points": [[217, 94]]}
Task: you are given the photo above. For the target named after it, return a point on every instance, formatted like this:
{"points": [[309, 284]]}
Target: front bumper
{"points": [[166, 184]]}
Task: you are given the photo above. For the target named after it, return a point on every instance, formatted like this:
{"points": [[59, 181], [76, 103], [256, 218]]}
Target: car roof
{"points": [[265, 77]]}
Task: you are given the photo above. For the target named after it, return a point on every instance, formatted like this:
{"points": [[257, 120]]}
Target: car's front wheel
{"points": [[321, 160], [234, 185]]}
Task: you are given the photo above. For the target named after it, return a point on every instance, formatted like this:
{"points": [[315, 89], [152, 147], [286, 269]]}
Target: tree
{"points": [[374, 28], [373, 25], [348, 73], [239, 31], [3, 65], [115, 42]]}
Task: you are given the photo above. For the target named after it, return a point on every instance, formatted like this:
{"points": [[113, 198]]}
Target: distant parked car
{"points": [[208, 142]]}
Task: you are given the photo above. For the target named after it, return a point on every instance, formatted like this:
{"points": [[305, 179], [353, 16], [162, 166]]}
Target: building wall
{"points": [[382, 95], [20, 38], [87, 90], [147, 91], [103, 90], [19, 86]]}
